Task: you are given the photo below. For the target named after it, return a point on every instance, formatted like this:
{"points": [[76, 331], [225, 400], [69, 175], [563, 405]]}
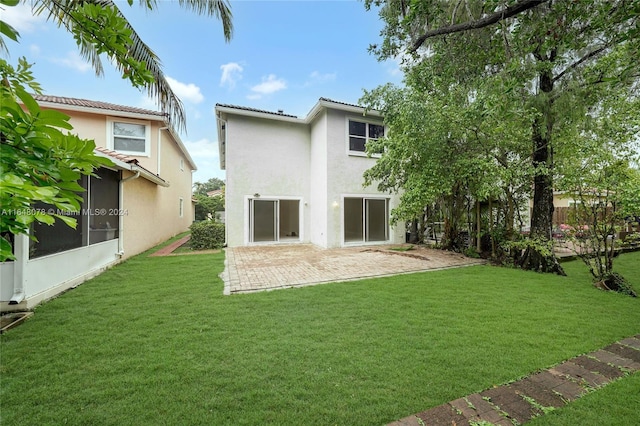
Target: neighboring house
{"points": [[142, 200], [215, 193], [291, 179]]}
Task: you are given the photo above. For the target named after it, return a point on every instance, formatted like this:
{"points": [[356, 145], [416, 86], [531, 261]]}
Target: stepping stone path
{"points": [[519, 402]]}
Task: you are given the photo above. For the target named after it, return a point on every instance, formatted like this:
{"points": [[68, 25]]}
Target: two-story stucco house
{"points": [[300, 180], [142, 200]]}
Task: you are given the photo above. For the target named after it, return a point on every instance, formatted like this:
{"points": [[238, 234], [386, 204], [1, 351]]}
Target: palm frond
{"points": [[220, 9], [60, 12]]}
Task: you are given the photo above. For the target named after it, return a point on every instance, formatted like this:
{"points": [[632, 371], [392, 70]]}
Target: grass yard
{"points": [[154, 341]]}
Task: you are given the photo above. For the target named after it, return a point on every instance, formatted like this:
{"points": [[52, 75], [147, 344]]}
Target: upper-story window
{"points": [[130, 137], [361, 132]]}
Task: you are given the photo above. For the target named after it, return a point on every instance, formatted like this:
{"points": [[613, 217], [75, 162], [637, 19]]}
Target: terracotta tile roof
{"points": [[117, 155], [146, 173], [214, 193], [281, 114], [95, 104]]}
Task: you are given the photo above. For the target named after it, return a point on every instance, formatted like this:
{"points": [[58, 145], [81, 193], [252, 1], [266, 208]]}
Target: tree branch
{"points": [[580, 61], [498, 16]]}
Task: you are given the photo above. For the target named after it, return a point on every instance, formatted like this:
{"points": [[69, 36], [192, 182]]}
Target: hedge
{"points": [[207, 235]]}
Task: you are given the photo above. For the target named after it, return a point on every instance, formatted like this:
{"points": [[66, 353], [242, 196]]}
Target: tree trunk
{"points": [[542, 215], [413, 232]]}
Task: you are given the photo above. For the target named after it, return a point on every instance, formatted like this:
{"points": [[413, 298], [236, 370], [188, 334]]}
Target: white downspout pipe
{"points": [[121, 217], [21, 251], [160, 129], [223, 127]]}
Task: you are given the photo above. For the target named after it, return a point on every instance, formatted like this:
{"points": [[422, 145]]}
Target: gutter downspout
{"points": [[160, 129], [21, 249], [121, 217], [223, 127]]}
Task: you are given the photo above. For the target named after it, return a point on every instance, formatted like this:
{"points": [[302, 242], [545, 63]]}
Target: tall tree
{"points": [[211, 185], [547, 50]]}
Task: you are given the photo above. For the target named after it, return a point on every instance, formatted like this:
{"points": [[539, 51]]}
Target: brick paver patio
{"points": [[258, 268]]}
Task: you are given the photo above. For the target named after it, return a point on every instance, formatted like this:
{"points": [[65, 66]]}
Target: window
{"points": [[360, 133], [97, 221], [130, 137], [182, 164], [104, 201], [181, 207]]}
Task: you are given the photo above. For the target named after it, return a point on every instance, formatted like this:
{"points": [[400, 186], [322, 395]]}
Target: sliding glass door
{"points": [[273, 220], [366, 219]]}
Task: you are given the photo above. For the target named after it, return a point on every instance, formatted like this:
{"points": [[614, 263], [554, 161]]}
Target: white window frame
{"points": [[182, 164], [147, 134], [181, 208], [367, 138]]}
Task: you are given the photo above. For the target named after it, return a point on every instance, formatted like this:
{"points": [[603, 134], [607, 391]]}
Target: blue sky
{"points": [[283, 55]]}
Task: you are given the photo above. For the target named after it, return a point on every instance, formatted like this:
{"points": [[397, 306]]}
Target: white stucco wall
{"points": [[265, 157], [318, 174], [345, 177]]}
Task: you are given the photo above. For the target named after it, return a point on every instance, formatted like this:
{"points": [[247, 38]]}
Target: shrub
{"points": [[207, 235]]}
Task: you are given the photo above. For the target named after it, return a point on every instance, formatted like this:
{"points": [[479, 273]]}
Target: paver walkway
{"points": [[258, 268], [527, 398], [169, 248]]}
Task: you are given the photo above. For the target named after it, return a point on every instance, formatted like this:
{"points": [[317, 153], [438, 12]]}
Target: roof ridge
{"points": [[87, 103], [264, 111]]}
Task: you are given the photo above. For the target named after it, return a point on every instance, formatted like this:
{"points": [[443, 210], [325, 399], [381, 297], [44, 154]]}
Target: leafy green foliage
{"points": [[206, 206], [596, 173], [486, 108], [212, 184], [39, 161], [6, 29], [207, 235]]}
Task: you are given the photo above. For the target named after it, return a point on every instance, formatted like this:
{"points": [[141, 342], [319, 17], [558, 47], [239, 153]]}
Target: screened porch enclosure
{"points": [[273, 220], [366, 220]]}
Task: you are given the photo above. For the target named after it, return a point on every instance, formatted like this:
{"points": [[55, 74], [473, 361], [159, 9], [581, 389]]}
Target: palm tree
{"points": [[135, 60]]}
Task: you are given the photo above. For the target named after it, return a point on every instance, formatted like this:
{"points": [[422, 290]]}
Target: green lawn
{"points": [[153, 341]]}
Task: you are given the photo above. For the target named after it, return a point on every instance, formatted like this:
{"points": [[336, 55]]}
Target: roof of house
{"points": [[322, 103], [261, 111], [98, 107], [126, 162], [86, 103], [214, 193]]}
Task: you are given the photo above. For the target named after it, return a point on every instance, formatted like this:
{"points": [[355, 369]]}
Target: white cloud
{"points": [[34, 50], [394, 66], [21, 17], [73, 61], [147, 102], [231, 74], [270, 84], [202, 149], [317, 77], [205, 154], [189, 92]]}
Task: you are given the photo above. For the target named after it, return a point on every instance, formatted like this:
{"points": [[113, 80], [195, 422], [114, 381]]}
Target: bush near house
{"points": [[207, 235]]}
